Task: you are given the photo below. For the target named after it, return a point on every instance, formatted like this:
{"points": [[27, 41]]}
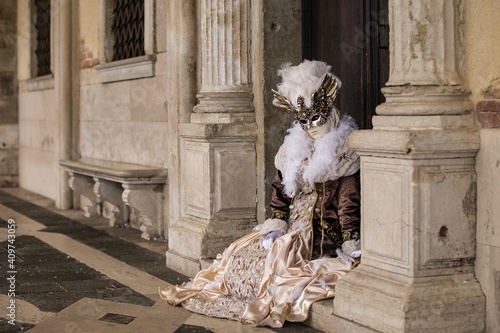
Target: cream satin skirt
{"points": [[261, 287]]}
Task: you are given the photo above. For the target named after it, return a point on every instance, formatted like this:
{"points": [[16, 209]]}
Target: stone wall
{"points": [[8, 96], [125, 120], [481, 73], [122, 119], [43, 105]]}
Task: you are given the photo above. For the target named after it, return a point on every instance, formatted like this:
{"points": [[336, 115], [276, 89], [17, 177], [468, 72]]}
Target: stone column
{"points": [[226, 87], [418, 187], [217, 147]]}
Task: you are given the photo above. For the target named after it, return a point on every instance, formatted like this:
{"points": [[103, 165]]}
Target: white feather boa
{"points": [[305, 161]]}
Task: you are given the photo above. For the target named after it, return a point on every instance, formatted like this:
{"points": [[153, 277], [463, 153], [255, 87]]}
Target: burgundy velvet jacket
{"points": [[339, 200]]}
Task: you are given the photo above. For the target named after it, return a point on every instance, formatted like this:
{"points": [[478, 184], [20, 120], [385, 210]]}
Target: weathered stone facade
{"points": [[198, 105], [9, 140]]}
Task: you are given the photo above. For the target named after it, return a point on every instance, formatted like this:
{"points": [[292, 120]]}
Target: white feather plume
{"points": [[321, 155], [303, 80]]}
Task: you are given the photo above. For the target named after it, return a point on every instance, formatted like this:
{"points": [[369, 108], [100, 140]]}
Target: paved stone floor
{"points": [[75, 274]]}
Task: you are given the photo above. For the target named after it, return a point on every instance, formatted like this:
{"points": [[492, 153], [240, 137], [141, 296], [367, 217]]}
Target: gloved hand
{"points": [[269, 239], [352, 248]]}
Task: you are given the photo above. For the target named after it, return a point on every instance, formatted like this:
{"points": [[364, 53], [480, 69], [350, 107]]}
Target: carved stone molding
{"points": [[218, 145]]}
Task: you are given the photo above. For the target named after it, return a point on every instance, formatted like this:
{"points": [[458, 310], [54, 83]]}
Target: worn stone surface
{"points": [[9, 150], [8, 96], [401, 304], [488, 224]]}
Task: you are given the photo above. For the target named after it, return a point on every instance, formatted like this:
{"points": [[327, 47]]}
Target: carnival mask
{"points": [[321, 105], [317, 132]]}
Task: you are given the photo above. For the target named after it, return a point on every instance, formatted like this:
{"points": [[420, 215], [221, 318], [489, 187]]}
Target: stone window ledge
{"points": [[127, 69], [40, 83]]}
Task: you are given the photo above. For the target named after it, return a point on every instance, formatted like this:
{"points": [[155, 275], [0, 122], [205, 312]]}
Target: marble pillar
{"points": [[418, 186], [217, 146]]}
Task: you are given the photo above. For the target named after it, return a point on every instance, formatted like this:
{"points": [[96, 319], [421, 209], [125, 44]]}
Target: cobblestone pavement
{"points": [[67, 273]]}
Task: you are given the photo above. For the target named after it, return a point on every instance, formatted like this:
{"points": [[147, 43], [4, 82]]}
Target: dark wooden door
{"points": [[353, 37]]}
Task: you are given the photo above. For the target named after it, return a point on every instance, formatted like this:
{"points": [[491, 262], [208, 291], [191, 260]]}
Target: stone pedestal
{"points": [[217, 148], [418, 187], [218, 201]]}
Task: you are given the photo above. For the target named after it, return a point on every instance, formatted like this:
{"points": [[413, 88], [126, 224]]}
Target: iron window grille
{"points": [[42, 26], [128, 29]]}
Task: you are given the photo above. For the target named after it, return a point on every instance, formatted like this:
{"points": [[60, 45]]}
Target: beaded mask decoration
{"points": [[321, 105]]}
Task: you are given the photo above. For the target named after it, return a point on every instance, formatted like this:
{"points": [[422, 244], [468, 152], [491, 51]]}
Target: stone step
{"points": [[321, 317]]}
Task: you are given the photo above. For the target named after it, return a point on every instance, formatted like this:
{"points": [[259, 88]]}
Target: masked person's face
{"points": [[319, 131]]}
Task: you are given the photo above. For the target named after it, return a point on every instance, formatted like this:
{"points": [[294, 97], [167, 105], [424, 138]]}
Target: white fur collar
{"points": [[304, 161]]}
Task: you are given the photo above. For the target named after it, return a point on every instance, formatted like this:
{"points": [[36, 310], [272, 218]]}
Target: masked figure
{"points": [[311, 239]]}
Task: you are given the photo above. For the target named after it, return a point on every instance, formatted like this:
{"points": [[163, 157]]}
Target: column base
{"points": [[342, 325], [195, 241], [181, 264], [389, 302]]}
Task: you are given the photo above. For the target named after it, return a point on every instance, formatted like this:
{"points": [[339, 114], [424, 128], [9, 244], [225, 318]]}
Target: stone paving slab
{"points": [[98, 239], [56, 297]]}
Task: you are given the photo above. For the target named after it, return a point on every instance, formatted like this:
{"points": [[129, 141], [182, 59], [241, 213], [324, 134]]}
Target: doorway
{"points": [[353, 37]]}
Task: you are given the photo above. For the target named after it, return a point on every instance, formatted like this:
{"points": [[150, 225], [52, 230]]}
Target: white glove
{"points": [[269, 239], [352, 248], [270, 225]]}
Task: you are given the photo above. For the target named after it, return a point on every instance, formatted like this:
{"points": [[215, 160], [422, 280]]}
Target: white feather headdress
{"points": [[302, 160], [303, 80]]}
